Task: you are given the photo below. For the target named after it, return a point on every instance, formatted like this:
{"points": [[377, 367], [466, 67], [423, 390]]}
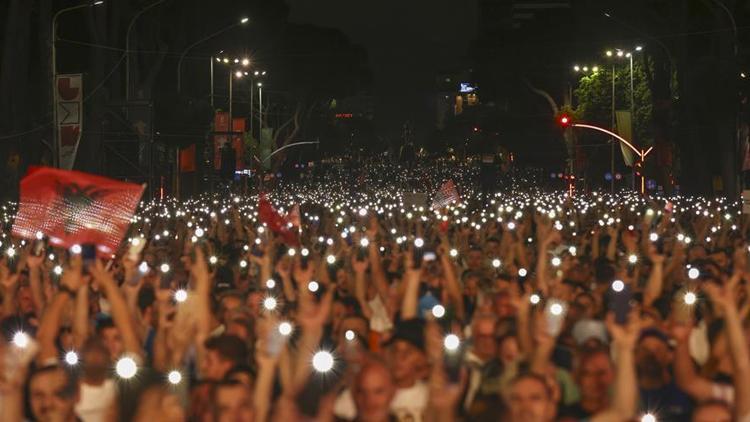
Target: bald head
{"points": [[373, 391]]}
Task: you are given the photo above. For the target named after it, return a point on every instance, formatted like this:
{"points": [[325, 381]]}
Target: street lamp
{"points": [[56, 158], [629, 55], [206, 38]]}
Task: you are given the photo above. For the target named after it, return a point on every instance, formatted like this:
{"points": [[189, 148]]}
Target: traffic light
{"points": [[564, 120], [638, 168]]}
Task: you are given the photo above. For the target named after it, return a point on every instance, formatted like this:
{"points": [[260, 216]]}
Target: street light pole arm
{"points": [[610, 133], [127, 43], [190, 47]]}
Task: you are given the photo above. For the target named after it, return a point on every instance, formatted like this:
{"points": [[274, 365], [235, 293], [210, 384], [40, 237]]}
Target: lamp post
{"points": [[206, 38], [619, 53], [256, 74], [127, 45], [53, 35], [260, 111]]}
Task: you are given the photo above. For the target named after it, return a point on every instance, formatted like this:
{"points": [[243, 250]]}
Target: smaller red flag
{"points": [[71, 207], [294, 216], [278, 223]]}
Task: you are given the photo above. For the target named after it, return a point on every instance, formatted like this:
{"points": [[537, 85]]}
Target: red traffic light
{"points": [[564, 120]]}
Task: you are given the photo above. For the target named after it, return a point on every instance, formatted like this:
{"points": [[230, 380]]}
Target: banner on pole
{"points": [[69, 117], [221, 124], [625, 129]]}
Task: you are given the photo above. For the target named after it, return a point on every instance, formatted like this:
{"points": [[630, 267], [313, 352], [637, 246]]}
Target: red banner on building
{"points": [[71, 207], [68, 117], [187, 159]]}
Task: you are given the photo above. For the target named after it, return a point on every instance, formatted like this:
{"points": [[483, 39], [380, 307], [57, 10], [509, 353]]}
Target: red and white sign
{"points": [[68, 117]]}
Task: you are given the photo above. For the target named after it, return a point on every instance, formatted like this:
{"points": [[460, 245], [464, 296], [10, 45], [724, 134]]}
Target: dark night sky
{"points": [[408, 41]]}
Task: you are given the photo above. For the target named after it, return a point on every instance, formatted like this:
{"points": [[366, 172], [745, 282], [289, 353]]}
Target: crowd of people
{"points": [[517, 306]]}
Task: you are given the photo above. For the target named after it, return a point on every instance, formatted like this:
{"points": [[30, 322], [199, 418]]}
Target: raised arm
{"points": [[120, 313], [625, 396], [686, 377], [70, 283], [655, 281]]}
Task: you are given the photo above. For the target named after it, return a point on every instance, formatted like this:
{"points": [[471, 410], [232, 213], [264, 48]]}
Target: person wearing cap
{"points": [[654, 357], [407, 360]]}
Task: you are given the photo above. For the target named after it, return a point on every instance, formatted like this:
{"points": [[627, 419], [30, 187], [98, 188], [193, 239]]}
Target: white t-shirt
{"points": [[379, 321], [408, 404], [96, 401]]}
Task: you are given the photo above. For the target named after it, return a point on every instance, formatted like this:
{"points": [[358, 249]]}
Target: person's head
{"points": [[146, 301], [356, 323], [471, 284], [157, 403], [474, 259], [373, 390], [232, 402], [110, 336], [712, 411], [406, 352], [228, 302], [96, 361], [531, 399], [53, 394], [483, 336], [594, 374], [653, 357], [508, 349], [222, 354]]}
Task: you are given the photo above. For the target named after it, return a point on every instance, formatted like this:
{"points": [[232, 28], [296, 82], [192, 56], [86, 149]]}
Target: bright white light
{"points": [[633, 258], [164, 268], [174, 377], [556, 309], [58, 270], [690, 298], [143, 267], [451, 342], [304, 252], [270, 283], [618, 286], [71, 358], [349, 335], [573, 250], [243, 264], [76, 249], [362, 212], [653, 237], [269, 303], [522, 272], [418, 242], [648, 418], [364, 242], [454, 253], [126, 368], [313, 286], [21, 339], [556, 261], [511, 226], [199, 232], [331, 259], [285, 328], [180, 295], [535, 299], [496, 263], [213, 259], [438, 311], [649, 212], [39, 235], [322, 361], [694, 273], [292, 252]]}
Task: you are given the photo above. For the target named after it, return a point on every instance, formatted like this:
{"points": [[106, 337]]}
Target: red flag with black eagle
{"points": [[276, 222], [75, 208]]}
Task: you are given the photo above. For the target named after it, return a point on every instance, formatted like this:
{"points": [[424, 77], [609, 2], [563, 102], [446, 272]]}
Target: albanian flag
{"points": [[278, 223], [71, 207]]}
